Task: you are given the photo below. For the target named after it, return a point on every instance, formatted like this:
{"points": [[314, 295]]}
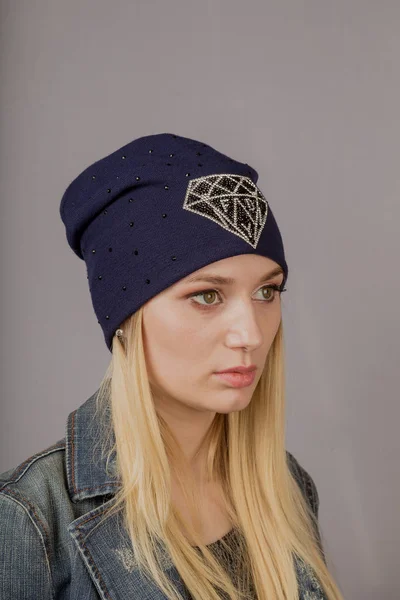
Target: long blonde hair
{"points": [[245, 452]]}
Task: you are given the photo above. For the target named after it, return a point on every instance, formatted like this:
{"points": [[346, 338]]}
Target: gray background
{"points": [[306, 92]]}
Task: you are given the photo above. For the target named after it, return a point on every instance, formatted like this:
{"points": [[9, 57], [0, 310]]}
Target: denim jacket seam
{"points": [[92, 565], [70, 452], [20, 471], [21, 502]]}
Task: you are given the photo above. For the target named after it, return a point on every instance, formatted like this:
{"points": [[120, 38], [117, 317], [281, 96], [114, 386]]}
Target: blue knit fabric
{"points": [[154, 211]]}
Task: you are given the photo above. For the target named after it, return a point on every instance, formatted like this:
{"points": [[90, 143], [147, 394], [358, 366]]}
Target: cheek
{"points": [[178, 359], [174, 347], [270, 332]]}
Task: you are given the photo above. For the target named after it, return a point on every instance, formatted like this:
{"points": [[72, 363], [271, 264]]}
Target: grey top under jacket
{"points": [[50, 545]]}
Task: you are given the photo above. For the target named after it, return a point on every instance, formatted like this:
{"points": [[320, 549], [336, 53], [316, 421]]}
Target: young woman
{"points": [[172, 480]]}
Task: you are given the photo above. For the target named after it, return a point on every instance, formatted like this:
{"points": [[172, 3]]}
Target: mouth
{"points": [[239, 369], [237, 380]]}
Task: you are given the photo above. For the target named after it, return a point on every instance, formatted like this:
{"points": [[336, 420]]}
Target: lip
{"points": [[237, 380], [239, 369]]}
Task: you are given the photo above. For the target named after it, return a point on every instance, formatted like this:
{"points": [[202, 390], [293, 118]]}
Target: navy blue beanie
{"points": [[154, 211]]}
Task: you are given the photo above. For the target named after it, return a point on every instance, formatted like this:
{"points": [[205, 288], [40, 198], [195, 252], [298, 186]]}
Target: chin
{"points": [[239, 399]]}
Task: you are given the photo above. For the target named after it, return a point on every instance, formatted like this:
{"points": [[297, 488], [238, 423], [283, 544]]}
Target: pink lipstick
{"points": [[238, 376]]}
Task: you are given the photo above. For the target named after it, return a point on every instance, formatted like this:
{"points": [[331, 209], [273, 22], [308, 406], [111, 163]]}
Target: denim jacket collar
{"points": [[86, 468], [104, 545]]}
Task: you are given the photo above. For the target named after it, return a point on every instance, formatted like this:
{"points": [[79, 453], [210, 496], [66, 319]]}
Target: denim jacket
{"points": [[50, 545]]}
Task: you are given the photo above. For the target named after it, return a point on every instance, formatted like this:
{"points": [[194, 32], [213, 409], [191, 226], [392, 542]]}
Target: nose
{"points": [[245, 330]]}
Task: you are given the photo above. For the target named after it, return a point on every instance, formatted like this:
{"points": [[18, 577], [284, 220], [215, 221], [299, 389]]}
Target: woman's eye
{"points": [[209, 295]]}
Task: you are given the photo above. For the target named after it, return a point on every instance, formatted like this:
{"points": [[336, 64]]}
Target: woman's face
{"points": [[187, 339]]}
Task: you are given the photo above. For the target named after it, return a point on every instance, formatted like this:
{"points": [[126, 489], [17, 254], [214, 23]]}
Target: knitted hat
{"points": [[154, 211]]}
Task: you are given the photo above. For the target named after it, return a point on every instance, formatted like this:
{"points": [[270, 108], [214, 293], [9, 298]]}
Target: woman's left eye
{"points": [[207, 293]]}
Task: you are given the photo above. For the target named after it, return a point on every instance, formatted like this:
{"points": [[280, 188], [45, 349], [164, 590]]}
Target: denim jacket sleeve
{"points": [[310, 492], [24, 566]]}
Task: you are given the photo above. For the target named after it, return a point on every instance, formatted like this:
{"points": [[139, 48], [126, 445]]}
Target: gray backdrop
{"points": [[306, 92]]}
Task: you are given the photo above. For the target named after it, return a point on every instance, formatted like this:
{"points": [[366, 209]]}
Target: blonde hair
{"points": [[245, 452]]}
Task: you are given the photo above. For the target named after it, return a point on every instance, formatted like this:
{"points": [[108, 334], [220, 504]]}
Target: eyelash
{"points": [[277, 288]]}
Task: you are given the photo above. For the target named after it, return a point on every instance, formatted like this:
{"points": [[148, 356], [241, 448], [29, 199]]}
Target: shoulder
{"points": [[30, 494], [35, 486], [34, 473], [305, 481]]}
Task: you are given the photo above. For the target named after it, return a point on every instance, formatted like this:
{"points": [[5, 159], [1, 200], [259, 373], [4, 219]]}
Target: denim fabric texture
{"points": [[52, 546]]}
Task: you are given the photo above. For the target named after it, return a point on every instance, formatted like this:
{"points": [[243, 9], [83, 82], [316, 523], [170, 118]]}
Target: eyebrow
{"points": [[219, 280]]}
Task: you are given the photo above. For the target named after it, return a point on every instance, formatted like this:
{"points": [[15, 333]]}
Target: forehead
{"points": [[231, 270]]}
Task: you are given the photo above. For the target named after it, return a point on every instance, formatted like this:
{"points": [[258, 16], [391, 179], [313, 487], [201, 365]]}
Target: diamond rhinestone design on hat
{"points": [[232, 201]]}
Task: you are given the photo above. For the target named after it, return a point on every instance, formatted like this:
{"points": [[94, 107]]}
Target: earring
{"points": [[119, 333]]}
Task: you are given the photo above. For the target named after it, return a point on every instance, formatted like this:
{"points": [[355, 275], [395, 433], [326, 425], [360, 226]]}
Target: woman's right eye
{"points": [[206, 293]]}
